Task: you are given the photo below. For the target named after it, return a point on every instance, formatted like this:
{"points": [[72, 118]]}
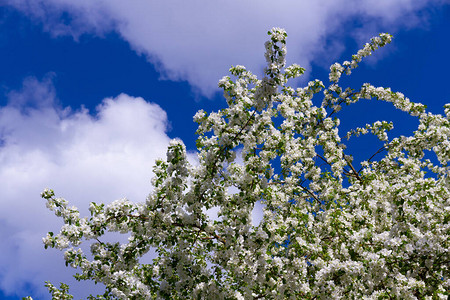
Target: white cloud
{"points": [[82, 157], [198, 40]]}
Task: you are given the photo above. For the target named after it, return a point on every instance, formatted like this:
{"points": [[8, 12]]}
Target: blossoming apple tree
{"points": [[331, 229]]}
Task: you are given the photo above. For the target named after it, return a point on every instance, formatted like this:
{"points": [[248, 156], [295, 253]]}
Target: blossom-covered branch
{"points": [[328, 230]]}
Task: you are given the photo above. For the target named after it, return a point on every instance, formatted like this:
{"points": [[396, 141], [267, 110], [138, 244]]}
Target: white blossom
{"points": [[329, 230]]}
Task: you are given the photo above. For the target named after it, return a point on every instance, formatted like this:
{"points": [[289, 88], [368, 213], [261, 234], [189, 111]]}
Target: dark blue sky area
{"points": [[87, 71], [93, 68]]}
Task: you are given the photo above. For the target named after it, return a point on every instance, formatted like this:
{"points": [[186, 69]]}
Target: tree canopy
{"points": [[331, 228]]}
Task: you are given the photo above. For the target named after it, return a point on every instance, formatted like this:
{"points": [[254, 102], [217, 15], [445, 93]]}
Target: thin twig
{"points": [[353, 169]]}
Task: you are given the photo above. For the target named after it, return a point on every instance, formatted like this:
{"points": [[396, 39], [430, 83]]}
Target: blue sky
{"points": [[92, 92]]}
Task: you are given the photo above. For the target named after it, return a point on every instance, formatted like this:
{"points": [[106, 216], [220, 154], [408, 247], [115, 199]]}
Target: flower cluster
{"points": [[329, 231], [337, 69]]}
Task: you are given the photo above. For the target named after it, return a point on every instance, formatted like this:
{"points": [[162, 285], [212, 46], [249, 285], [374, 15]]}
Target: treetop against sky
{"points": [[327, 230], [92, 94]]}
